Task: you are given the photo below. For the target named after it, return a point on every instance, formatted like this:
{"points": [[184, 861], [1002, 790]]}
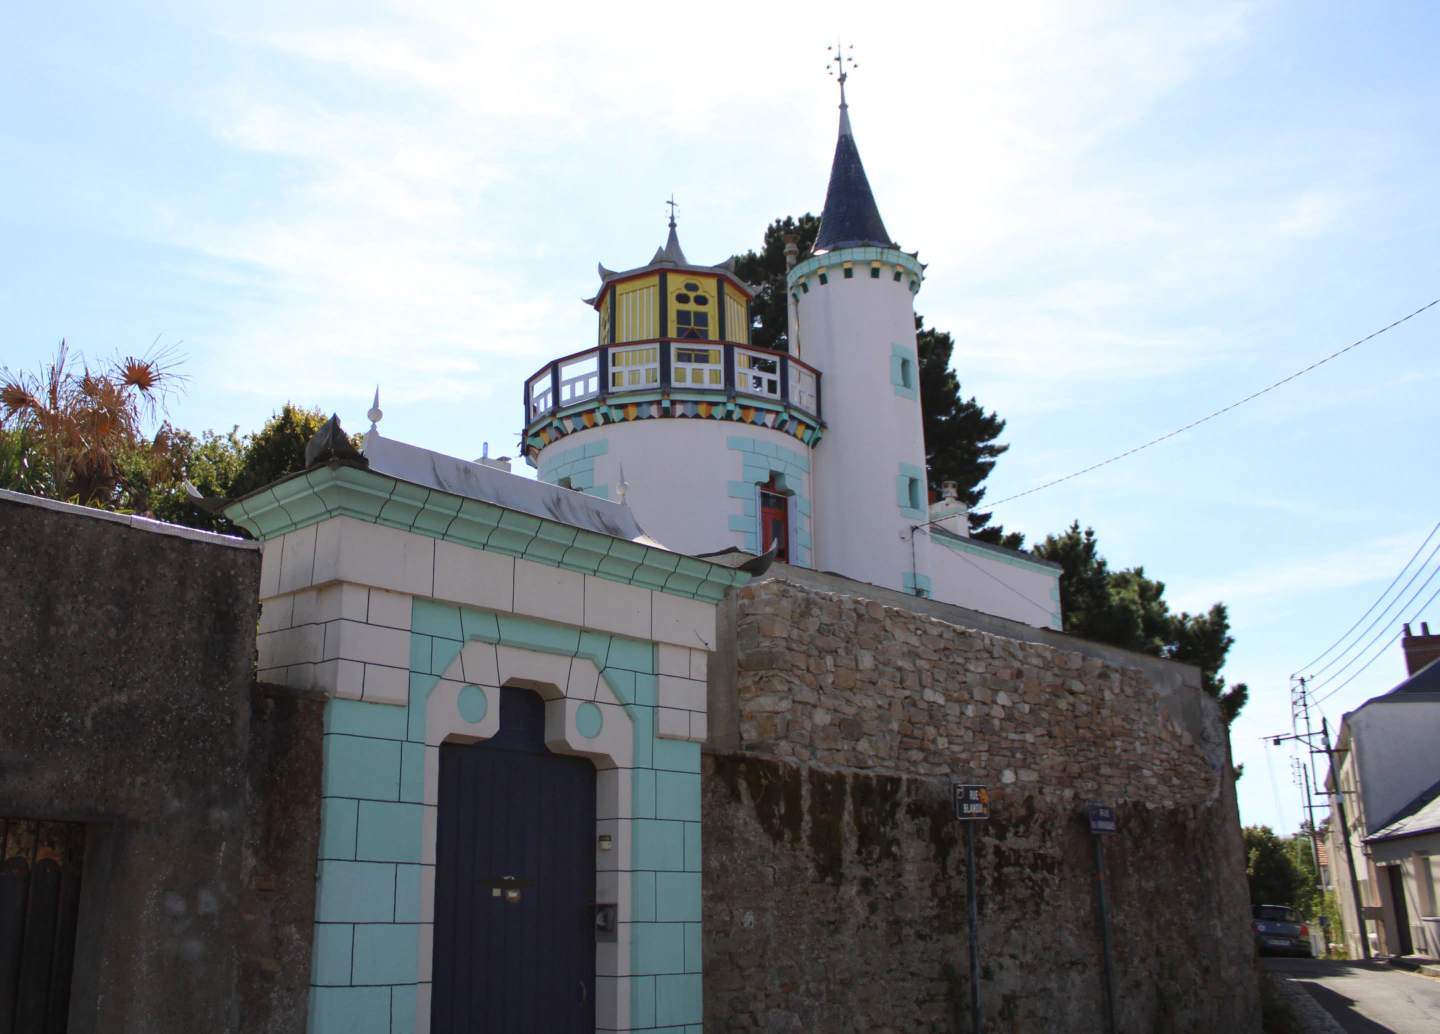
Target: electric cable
{"points": [[1046, 608], [1212, 416], [1365, 615], [1382, 650], [1331, 678], [1384, 613]]}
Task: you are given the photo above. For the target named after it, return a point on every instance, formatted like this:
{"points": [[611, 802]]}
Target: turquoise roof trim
{"points": [[341, 491], [838, 257]]}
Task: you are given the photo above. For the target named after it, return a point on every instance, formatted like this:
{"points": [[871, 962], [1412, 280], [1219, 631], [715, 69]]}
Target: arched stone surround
{"points": [[368, 963]]}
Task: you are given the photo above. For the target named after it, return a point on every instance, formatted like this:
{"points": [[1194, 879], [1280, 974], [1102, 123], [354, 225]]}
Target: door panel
{"points": [[40, 868], [514, 883]]}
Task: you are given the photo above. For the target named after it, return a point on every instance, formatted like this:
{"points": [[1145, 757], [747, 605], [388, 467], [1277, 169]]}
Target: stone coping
{"points": [[337, 490], [138, 523]]}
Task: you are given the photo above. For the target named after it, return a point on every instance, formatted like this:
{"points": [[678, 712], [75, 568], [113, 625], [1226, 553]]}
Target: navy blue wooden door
{"points": [[514, 883]]}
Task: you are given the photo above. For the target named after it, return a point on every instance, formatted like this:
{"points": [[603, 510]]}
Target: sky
{"points": [[1133, 215]]}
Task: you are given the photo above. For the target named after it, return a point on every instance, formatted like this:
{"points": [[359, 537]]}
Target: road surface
{"points": [[1367, 997]]}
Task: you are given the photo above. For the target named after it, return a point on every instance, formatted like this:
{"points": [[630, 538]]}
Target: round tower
{"points": [[852, 315], [712, 436]]}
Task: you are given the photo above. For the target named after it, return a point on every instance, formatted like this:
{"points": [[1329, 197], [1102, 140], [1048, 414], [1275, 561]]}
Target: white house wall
{"points": [[1395, 745], [849, 329], [972, 576], [685, 478]]}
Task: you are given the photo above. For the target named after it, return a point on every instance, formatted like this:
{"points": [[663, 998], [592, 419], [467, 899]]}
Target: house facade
{"points": [[1388, 771]]}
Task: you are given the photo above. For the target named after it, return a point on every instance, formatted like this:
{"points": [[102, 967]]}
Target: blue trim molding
{"points": [[760, 460], [904, 372], [910, 491], [575, 468]]}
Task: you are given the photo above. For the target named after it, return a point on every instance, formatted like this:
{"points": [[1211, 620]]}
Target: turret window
{"points": [[692, 325], [692, 314]]}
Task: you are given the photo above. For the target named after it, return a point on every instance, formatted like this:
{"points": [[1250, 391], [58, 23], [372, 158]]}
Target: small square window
{"points": [[682, 317], [849, 273], [804, 287], [914, 493], [874, 272], [897, 274], [824, 279]]}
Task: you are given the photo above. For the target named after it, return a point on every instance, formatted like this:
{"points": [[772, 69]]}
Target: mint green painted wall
{"points": [[366, 956]]}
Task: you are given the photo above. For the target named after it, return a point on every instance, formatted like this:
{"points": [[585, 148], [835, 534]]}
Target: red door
{"points": [[775, 523]]}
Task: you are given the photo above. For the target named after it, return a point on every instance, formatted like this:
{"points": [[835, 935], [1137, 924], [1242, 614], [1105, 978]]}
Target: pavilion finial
{"points": [[673, 206], [375, 415], [844, 63]]}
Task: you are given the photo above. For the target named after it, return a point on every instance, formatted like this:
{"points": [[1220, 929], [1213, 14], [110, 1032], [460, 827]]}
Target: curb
{"points": [[1311, 1013]]}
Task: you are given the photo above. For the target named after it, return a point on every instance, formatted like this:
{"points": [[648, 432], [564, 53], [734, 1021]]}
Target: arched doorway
{"points": [[514, 940]]}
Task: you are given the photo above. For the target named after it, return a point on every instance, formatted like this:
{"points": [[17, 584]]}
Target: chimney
{"points": [[1420, 649], [952, 514]]}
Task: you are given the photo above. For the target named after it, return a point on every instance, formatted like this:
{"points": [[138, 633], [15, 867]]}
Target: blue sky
{"points": [[1133, 214]]}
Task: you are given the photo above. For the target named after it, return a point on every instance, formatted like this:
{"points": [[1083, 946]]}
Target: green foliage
{"points": [[277, 449], [766, 271], [231, 465], [959, 435], [1270, 868], [21, 464], [1128, 609]]}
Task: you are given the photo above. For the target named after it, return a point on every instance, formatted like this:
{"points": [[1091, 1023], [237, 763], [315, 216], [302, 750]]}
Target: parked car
{"points": [[1281, 929]]}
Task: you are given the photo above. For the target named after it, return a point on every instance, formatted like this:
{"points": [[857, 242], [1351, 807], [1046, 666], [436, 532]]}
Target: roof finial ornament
{"points": [[844, 64], [375, 415], [673, 206]]}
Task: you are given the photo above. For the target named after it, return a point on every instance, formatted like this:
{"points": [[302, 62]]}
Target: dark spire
{"points": [[851, 218]]}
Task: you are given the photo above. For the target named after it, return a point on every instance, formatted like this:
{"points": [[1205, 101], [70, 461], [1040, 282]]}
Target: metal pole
{"points": [[1345, 832], [974, 928], [1105, 934], [1314, 851]]}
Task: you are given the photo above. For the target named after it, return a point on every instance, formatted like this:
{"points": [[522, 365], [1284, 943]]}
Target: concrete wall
{"points": [[834, 873], [126, 681], [692, 481]]}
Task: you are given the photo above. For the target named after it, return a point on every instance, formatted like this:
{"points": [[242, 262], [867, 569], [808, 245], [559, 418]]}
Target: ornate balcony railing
{"points": [[713, 371]]}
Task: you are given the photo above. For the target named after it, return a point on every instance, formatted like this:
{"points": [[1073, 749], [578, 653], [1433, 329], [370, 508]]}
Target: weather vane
{"points": [[841, 59], [673, 206]]}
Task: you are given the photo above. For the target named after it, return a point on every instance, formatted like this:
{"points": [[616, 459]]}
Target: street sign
{"points": [[1102, 818], [972, 801]]}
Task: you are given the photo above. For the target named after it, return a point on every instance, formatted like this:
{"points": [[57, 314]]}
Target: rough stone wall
{"points": [[128, 701], [834, 872]]}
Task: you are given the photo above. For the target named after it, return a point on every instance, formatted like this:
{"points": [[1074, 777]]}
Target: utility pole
{"points": [[1344, 821], [1345, 832], [1301, 778]]}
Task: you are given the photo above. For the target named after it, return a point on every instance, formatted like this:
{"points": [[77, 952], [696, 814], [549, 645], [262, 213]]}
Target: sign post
{"points": [[1102, 824], [972, 804]]}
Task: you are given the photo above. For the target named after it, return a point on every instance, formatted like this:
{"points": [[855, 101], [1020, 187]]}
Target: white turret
{"points": [[853, 317]]}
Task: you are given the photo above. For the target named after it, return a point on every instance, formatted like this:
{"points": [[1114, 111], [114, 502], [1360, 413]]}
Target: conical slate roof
{"points": [[851, 218]]}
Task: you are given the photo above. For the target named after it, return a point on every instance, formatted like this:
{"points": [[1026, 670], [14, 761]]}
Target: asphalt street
{"points": [[1367, 997]]}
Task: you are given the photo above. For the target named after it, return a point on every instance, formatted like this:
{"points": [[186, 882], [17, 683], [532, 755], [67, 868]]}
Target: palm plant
{"points": [[81, 426]]}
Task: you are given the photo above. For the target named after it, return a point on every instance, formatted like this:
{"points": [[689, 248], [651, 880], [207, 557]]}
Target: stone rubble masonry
{"points": [[834, 871], [844, 681]]}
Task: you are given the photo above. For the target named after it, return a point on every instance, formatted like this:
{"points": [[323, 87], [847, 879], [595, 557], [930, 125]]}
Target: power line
{"points": [[1212, 416], [1365, 615], [1382, 650], [1378, 634], [1381, 616]]}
